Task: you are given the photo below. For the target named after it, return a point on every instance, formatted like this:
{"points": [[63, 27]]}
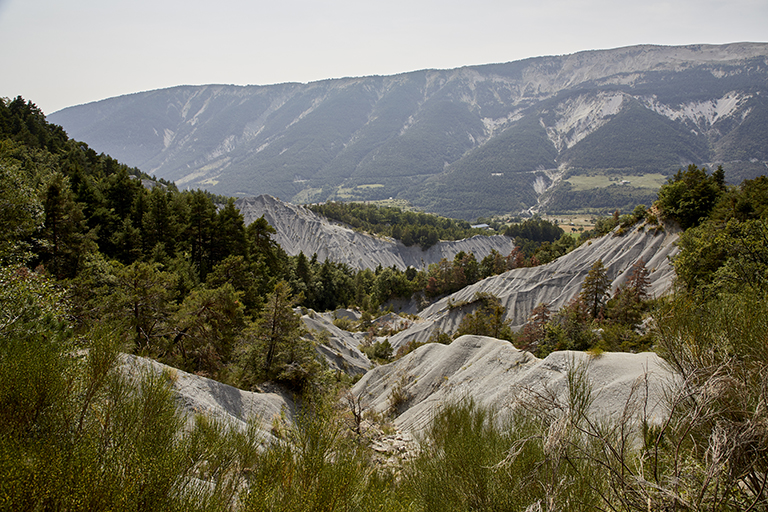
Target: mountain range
{"points": [[592, 131]]}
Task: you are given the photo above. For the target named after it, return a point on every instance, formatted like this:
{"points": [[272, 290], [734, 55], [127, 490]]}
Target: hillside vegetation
{"points": [[464, 143], [98, 259], [177, 273]]}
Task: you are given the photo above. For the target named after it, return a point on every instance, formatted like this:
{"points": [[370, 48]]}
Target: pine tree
{"points": [[202, 214], [638, 281], [487, 319], [261, 245], [277, 328], [65, 231], [142, 301], [690, 195], [228, 234], [207, 325], [595, 289], [250, 279], [534, 329], [274, 348], [159, 223]]}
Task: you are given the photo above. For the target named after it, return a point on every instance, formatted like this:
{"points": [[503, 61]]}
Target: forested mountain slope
{"points": [[596, 129]]}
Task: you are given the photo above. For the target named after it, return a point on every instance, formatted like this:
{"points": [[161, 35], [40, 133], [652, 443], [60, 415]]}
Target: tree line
{"points": [[410, 227]]}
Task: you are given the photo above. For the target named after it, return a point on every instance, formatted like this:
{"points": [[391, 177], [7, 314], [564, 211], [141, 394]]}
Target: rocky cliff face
{"points": [[520, 290], [301, 230], [463, 142], [556, 283]]}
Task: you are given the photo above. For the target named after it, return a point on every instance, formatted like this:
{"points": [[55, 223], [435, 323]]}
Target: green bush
{"points": [[456, 469], [76, 433], [380, 351], [472, 459], [313, 466], [713, 452], [344, 324], [690, 195], [487, 319]]}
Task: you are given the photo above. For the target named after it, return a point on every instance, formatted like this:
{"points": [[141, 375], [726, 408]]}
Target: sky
{"points": [[61, 53]]}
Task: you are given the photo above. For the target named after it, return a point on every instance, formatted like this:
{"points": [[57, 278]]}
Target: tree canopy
{"points": [[691, 194]]}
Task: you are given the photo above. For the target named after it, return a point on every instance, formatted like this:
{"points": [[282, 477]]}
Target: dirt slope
{"points": [[556, 283]]}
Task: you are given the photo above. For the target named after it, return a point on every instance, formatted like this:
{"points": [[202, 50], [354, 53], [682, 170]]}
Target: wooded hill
{"points": [[411, 228]]}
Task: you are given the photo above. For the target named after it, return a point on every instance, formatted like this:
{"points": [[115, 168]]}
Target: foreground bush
{"points": [[709, 453], [76, 433]]}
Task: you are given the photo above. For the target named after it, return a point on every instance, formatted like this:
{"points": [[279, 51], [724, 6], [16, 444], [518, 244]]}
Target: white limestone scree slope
{"points": [[301, 230]]}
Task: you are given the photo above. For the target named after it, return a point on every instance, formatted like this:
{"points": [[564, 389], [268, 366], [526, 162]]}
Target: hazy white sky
{"points": [[60, 53]]}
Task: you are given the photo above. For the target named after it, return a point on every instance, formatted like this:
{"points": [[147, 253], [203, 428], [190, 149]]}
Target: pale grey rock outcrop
{"points": [[199, 395], [495, 374], [556, 283], [301, 230], [341, 348], [520, 290]]}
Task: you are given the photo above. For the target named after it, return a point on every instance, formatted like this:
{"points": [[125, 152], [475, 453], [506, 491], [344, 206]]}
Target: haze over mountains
{"points": [[596, 129]]}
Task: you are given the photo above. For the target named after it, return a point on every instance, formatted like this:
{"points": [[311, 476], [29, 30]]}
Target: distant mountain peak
{"points": [[466, 142]]}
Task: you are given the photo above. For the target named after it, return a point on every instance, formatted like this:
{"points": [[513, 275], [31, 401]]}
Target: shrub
{"points": [[409, 347], [315, 467], [76, 433], [399, 396], [486, 320], [719, 422], [456, 469], [381, 351], [690, 195], [344, 324]]}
